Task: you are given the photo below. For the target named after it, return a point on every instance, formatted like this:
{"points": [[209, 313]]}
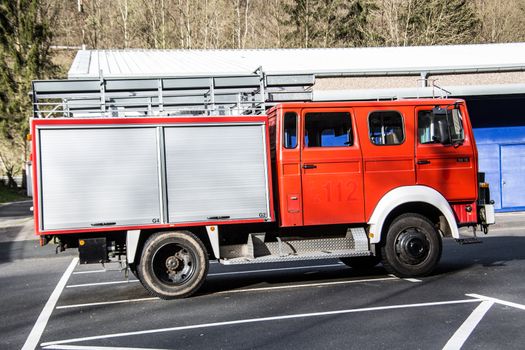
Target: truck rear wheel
{"points": [[173, 264], [412, 246]]}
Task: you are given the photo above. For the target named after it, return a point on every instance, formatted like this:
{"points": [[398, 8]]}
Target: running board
{"points": [[472, 240], [257, 251]]}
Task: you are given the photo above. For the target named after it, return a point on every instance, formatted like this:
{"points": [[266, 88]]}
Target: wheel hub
{"points": [[412, 246], [173, 264]]}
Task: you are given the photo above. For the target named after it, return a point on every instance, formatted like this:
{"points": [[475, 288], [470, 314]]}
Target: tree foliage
{"points": [[25, 38], [26, 33], [221, 24], [425, 22]]}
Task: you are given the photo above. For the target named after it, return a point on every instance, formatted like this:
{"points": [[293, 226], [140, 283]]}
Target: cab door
{"points": [[331, 167], [448, 166]]}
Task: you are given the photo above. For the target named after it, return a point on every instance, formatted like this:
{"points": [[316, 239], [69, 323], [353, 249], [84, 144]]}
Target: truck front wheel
{"points": [[412, 246], [173, 264]]}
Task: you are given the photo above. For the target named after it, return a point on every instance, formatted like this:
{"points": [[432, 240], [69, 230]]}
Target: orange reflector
{"points": [[371, 235], [29, 137], [212, 228], [81, 242], [483, 185]]}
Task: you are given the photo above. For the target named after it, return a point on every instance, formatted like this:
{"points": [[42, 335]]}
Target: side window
{"points": [[386, 128], [328, 129], [290, 130], [443, 128], [427, 125]]}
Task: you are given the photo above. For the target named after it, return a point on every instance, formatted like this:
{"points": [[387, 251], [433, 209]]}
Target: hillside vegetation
{"points": [[38, 38]]}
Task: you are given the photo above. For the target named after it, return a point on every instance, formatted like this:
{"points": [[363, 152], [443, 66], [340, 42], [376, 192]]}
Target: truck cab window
{"points": [[328, 129], [290, 130], [386, 128], [443, 128]]}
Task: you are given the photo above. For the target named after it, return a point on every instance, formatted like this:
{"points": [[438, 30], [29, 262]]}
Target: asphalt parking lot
{"points": [[475, 300]]}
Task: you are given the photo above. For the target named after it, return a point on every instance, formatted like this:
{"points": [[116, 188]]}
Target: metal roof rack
{"points": [[248, 94]]}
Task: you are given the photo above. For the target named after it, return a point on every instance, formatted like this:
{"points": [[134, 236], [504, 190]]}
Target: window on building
{"points": [[431, 127], [328, 129], [386, 128], [290, 130]]}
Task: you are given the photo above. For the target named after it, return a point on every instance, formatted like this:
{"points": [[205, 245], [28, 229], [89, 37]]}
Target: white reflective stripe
{"points": [[132, 242], [40, 324], [213, 236], [262, 319], [463, 332]]}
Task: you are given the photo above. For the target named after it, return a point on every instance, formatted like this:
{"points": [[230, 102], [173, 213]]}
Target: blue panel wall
{"points": [[512, 176], [489, 141]]}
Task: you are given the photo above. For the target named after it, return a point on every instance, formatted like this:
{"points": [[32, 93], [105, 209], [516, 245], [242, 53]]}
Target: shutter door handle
{"points": [[423, 161], [309, 166]]}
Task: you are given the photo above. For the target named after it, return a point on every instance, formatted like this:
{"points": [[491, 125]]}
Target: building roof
{"points": [[322, 62]]}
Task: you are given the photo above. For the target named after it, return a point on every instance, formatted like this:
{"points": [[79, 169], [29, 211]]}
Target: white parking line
{"points": [[262, 319], [106, 303], [40, 324], [293, 286], [414, 280], [306, 285], [464, 331], [277, 269], [90, 271], [84, 347], [498, 301], [209, 275], [99, 284]]}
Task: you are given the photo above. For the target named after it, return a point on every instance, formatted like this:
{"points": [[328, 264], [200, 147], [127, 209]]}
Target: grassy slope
{"points": [[11, 195]]}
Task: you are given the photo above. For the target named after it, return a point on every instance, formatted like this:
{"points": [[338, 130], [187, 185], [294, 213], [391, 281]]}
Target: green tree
{"points": [[351, 23], [328, 23], [25, 38], [425, 22], [304, 18]]}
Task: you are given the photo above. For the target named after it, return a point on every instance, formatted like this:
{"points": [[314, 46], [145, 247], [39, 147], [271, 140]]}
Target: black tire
{"points": [[173, 264], [362, 263], [412, 246]]}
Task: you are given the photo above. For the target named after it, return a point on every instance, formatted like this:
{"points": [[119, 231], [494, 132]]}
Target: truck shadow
{"points": [[493, 252]]}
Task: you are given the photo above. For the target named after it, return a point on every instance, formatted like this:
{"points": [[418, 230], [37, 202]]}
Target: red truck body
{"points": [[395, 175]]}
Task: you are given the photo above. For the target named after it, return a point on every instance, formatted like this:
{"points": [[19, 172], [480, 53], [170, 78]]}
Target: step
{"points": [[256, 250], [472, 240], [296, 257]]}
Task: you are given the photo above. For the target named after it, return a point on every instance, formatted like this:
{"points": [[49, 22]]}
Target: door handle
{"points": [[423, 161], [309, 166]]}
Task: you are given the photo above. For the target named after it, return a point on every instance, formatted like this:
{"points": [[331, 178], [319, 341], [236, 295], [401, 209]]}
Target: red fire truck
{"points": [[364, 182]]}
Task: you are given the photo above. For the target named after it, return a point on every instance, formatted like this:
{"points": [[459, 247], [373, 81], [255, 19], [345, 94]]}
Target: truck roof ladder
{"points": [[248, 94]]}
